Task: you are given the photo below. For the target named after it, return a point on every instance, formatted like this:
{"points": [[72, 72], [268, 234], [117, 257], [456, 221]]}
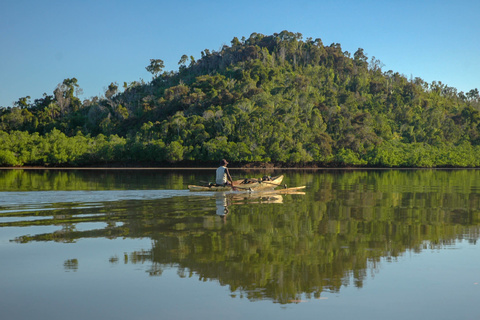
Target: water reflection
{"points": [[71, 265], [278, 247], [221, 204]]}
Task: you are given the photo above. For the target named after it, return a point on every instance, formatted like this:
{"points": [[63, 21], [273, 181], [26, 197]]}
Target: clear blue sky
{"points": [[99, 42]]}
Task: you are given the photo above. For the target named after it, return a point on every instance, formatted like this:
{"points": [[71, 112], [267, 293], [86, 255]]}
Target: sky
{"points": [[43, 42]]}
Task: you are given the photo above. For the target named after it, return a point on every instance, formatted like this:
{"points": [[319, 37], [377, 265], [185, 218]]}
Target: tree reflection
{"points": [[71, 265], [294, 246]]}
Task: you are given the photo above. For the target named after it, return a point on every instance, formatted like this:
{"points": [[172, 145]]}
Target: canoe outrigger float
{"points": [[265, 183]]}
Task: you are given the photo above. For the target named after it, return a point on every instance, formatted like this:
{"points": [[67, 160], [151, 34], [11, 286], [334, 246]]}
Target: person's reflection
{"points": [[222, 205]]}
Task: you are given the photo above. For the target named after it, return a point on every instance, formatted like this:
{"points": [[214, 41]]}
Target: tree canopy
{"points": [[267, 98]]}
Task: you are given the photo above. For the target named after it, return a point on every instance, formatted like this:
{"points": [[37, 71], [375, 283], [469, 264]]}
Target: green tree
{"points": [[155, 67], [174, 152]]}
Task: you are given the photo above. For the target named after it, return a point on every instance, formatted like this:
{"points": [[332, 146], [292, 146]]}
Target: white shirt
{"points": [[221, 177]]}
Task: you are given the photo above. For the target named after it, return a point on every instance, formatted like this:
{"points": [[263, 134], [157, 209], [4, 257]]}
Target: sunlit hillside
{"points": [[277, 99]]}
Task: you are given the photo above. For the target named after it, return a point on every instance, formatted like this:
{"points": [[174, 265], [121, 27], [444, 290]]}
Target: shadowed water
{"points": [[137, 244]]}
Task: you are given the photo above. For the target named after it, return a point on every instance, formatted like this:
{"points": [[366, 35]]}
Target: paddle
{"points": [[234, 187]]}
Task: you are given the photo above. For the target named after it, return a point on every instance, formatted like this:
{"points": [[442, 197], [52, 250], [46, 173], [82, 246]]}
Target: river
{"points": [[136, 244]]}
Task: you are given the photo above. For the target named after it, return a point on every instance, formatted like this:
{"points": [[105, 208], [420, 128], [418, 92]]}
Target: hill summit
{"points": [[271, 99]]}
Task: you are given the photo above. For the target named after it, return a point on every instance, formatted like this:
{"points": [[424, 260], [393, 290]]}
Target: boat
{"points": [[266, 183]]}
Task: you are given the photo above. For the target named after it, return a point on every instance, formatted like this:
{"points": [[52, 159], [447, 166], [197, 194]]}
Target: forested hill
{"points": [[277, 98]]}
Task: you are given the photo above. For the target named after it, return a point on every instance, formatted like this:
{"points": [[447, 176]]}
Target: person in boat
{"points": [[223, 176]]}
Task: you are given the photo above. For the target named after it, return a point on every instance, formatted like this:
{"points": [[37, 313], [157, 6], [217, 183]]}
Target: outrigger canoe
{"points": [[244, 184]]}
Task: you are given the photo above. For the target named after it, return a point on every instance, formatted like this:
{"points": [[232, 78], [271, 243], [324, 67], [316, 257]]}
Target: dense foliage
{"points": [[274, 98]]}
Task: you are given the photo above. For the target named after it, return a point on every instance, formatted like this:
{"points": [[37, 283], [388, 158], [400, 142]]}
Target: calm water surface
{"points": [[135, 244]]}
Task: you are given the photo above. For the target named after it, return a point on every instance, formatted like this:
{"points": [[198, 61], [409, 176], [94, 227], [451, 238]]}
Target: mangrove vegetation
{"points": [[277, 99]]}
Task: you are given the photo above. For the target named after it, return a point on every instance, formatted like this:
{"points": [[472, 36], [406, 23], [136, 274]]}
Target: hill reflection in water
{"points": [[277, 247]]}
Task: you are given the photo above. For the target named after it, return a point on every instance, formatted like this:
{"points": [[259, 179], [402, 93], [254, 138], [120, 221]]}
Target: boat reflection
{"points": [[225, 199]]}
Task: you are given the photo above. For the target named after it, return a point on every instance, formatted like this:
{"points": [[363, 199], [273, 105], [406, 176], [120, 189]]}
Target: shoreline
{"points": [[231, 168]]}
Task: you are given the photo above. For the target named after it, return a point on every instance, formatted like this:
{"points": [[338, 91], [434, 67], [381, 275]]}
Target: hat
{"points": [[224, 162]]}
